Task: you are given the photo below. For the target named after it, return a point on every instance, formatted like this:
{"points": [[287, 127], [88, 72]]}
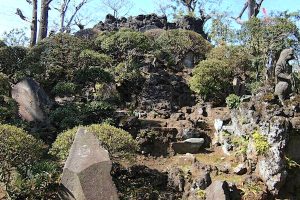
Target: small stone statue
{"points": [[283, 74]]}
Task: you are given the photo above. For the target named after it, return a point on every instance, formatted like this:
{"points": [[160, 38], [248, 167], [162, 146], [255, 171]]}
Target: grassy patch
{"points": [[261, 143]]}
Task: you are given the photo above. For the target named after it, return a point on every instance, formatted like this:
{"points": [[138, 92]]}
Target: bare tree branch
{"points": [[118, 6], [77, 8], [20, 14]]}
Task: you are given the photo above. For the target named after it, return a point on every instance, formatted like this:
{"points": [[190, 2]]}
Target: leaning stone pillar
{"points": [[86, 174]]}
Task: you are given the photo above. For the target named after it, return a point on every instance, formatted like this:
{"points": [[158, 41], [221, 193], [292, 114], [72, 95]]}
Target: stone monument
{"points": [[86, 174], [283, 74]]}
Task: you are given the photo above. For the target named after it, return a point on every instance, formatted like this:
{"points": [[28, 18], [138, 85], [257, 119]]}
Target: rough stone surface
{"points": [[202, 182], [165, 93], [190, 133], [86, 174], [32, 100], [218, 190], [176, 179], [277, 124], [240, 169], [148, 22], [156, 141], [192, 145]]}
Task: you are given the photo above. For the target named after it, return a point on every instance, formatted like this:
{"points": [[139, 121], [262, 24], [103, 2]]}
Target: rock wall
{"points": [[151, 21], [264, 115]]}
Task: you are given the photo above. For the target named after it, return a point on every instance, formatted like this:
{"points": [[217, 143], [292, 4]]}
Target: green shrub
{"points": [[55, 59], [126, 71], [8, 109], [92, 58], [233, 101], [11, 60], [124, 42], [291, 164], [238, 58], [2, 44], [93, 75], [241, 144], [64, 88], [96, 111], [177, 43], [18, 153], [66, 116], [117, 141], [4, 85], [153, 34], [41, 182], [261, 143], [200, 193], [211, 79]]}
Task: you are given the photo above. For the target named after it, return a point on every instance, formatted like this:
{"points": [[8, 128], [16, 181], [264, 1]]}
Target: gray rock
{"points": [[224, 168], [240, 169], [177, 116], [164, 93], [147, 28], [218, 190], [293, 148], [176, 179], [32, 100], [296, 122], [202, 182], [148, 22], [188, 133], [191, 145], [86, 174], [188, 60]]}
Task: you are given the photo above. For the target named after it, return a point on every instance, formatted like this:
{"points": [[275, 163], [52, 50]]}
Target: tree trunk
{"points": [[62, 18], [44, 19], [251, 8], [33, 24]]}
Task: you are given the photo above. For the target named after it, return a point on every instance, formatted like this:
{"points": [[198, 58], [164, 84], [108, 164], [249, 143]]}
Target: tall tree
{"points": [[33, 26], [43, 29], [253, 9]]}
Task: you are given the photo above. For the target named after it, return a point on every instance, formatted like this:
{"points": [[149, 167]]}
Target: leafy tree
{"points": [[176, 44], [123, 43], [11, 61], [55, 59], [211, 79], [264, 39], [15, 37]]}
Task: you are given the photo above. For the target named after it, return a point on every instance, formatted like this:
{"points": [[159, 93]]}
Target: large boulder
{"points": [[32, 99], [86, 174], [218, 190], [192, 145]]}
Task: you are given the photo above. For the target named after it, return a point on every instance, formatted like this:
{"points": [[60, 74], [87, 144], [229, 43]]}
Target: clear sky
{"points": [[95, 12]]}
